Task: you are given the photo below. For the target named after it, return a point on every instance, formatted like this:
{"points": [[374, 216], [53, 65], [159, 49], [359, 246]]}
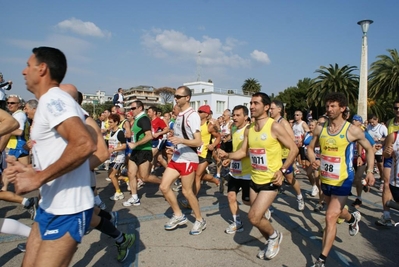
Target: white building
{"points": [[98, 98], [204, 93]]}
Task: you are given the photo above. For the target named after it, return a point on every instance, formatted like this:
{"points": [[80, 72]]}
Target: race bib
{"points": [[330, 167], [235, 167], [258, 159]]}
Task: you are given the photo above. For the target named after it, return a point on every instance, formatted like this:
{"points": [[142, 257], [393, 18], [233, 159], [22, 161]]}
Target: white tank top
{"points": [[299, 132]]}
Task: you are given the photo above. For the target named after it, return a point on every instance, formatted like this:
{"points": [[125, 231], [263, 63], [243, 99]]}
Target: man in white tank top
{"points": [[300, 128]]}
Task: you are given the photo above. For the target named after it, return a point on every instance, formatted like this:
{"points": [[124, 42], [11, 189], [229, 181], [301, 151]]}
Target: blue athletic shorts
{"points": [[342, 190], [290, 169], [387, 162], [53, 227]]}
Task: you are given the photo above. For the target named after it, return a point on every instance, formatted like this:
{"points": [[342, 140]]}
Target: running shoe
{"points": [[315, 191], [318, 263], [198, 227], [123, 248], [31, 205], [184, 203], [177, 188], [108, 179], [301, 204], [22, 247], [140, 184], [175, 221], [357, 203], [273, 246], [268, 214], [132, 202], [234, 227], [384, 221], [354, 227], [117, 196]]}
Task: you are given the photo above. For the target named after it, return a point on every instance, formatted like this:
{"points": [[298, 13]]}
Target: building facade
{"points": [[204, 93], [143, 93], [98, 98]]}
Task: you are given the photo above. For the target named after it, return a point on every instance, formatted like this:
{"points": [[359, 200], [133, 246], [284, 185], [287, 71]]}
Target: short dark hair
{"points": [[153, 108], [139, 104], [265, 98], [244, 109], [187, 91], [54, 59], [341, 99], [80, 98], [115, 117], [279, 104]]}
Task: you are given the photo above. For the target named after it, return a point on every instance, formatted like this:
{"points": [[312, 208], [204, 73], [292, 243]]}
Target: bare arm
{"points": [[214, 131], [147, 138], [356, 134], [241, 152], [128, 131], [101, 153], [7, 123], [311, 146], [283, 137]]}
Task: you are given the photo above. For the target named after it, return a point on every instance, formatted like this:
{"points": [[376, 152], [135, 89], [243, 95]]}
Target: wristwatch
{"points": [[283, 170]]}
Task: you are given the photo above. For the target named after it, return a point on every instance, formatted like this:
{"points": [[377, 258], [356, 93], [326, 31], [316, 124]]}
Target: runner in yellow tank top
{"points": [[336, 138], [208, 132], [263, 141], [276, 112], [393, 126]]}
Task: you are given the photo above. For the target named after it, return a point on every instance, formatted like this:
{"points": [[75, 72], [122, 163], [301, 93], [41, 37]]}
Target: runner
{"points": [[336, 139]]}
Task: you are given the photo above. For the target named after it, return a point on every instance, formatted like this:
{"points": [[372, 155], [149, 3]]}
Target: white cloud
{"points": [[73, 48], [260, 56], [176, 45], [83, 28]]}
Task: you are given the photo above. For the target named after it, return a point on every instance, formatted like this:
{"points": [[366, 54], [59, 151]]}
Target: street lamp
{"points": [[284, 115], [362, 104]]}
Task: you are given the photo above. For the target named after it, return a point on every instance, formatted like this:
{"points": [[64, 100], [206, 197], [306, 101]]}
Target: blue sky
{"points": [[112, 44]]}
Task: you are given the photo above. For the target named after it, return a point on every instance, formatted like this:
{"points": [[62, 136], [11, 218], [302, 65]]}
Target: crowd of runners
{"points": [[255, 151]]}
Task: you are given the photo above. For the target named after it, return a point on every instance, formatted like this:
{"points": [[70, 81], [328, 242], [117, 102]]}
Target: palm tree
{"points": [[251, 86], [334, 79], [384, 76]]}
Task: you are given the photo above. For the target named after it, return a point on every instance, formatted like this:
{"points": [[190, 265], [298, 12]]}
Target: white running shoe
{"points": [[117, 196]]}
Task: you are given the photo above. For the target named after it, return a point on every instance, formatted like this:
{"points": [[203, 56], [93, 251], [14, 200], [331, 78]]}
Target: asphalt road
{"points": [[302, 231]]}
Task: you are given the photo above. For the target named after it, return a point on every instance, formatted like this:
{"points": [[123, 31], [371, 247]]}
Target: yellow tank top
{"points": [[336, 160], [106, 125], [392, 127], [206, 140], [239, 168], [264, 152]]}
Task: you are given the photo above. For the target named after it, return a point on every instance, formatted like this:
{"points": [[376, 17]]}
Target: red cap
{"points": [[205, 109]]}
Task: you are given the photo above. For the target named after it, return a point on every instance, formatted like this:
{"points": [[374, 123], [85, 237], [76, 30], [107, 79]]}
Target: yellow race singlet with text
{"points": [[239, 168], [265, 153]]}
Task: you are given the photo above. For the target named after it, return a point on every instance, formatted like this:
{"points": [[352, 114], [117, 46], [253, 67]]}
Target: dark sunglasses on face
{"points": [[133, 108], [12, 103], [179, 96]]}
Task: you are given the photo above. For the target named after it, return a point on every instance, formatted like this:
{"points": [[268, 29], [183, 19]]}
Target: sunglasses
{"points": [[12, 103], [395, 108], [133, 108], [179, 96], [200, 111]]}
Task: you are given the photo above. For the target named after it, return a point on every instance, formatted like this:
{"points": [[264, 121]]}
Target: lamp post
{"points": [[362, 105], [284, 115]]}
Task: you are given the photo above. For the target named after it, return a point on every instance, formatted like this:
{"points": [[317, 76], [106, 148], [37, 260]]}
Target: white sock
{"points": [[299, 197], [135, 196], [24, 201], [13, 227], [274, 235]]}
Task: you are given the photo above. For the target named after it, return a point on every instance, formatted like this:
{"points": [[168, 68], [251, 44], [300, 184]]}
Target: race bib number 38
{"points": [[330, 167], [258, 159]]}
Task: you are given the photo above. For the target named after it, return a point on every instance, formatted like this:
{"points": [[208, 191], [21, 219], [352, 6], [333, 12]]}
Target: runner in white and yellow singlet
{"points": [[263, 139], [336, 139]]}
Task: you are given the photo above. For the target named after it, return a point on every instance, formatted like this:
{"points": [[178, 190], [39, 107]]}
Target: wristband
{"points": [[370, 171]]}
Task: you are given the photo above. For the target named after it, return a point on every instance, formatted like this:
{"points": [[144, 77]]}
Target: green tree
{"points": [[96, 110], [251, 86], [334, 79], [294, 99], [384, 76], [166, 94]]}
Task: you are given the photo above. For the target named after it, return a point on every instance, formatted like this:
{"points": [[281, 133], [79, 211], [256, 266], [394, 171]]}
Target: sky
{"points": [[112, 44]]}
